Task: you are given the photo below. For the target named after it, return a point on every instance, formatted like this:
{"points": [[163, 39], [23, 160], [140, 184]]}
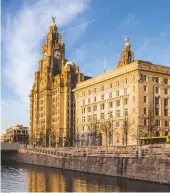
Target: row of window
{"points": [[157, 90], [103, 115], [165, 123], [102, 106], [101, 97], [156, 111], [157, 99], [153, 79], [102, 88]]}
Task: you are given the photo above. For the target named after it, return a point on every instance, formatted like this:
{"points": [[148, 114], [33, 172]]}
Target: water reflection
{"points": [[29, 178], [41, 179]]}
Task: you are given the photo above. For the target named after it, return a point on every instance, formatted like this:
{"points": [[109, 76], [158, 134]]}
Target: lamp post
{"points": [[49, 141]]}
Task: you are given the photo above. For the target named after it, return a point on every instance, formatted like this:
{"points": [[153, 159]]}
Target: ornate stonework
{"points": [[127, 56], [132, 88], [51, 97]]}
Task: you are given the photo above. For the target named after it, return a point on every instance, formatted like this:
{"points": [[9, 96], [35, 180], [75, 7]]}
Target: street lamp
{"points": [[49, 141]]}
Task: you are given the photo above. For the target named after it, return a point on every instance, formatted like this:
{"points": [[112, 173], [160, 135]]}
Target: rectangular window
{"points": [[83, 102], [156, 100], [102, 97], [110, 95], [117, 113], [157, 111], [165, 112], [134, 88], [145, 99], [145, 88], [125, 101], [84, 118], [88, 100], [126, 80], [157, 90], [144, 77], [145, 122], [125, 91], [110, 114], [145, 111], [165, 91], [126, 111], [165, 81], [94, 117], [95, 108], [110, 104], [117, 83], [89, 118], [89, 109], [89, 92], [157, 122], [110, 85], [102, 106], [83, 110], [94, 90], [117, 93], [118, 103], [102, 115], [165, 101], [94, 99], [166, 123], [156, 79]]}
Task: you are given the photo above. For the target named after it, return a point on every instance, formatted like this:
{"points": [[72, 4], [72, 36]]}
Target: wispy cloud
{"points": [[73, 33], [154, 50], [128, 21], [23, 34]]}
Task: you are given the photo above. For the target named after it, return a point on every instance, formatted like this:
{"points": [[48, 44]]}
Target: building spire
{"points": [[127, 41], [127, 56], [54, 20]]}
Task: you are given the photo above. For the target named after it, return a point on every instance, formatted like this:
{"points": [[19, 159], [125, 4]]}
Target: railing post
{"points": [[139, 151], [163, 149]]}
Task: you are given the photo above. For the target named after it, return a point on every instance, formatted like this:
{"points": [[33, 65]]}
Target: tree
{"points": [[93, 127], [107, 127], [127, 130], [150, 123]]}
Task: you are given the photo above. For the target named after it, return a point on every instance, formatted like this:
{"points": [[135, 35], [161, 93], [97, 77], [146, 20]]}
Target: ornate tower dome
{"points": [[127, 56], [70, 63]]}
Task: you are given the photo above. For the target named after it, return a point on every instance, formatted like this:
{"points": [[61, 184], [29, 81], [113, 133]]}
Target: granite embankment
{"points": [[149, 169]]}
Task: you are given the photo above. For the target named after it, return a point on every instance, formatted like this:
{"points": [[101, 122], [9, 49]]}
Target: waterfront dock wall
{"points": [[147, 168]]}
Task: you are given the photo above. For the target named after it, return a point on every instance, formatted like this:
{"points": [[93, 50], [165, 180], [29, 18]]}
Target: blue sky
{"points": [[91, 30]]}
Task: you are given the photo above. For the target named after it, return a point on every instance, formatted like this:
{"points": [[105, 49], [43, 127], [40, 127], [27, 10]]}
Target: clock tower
{"points": [[52, 116], [53, 52]]}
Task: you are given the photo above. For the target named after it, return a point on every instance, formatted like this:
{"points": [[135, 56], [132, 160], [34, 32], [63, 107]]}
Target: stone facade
{"points": [[51, 97], [154, 170], [117, 107]]}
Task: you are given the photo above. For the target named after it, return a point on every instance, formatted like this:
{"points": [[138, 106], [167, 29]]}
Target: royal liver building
{"points": [[52, 111]]}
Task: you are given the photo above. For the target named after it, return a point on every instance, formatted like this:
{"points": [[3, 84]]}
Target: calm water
{"points": [[27, 178]]}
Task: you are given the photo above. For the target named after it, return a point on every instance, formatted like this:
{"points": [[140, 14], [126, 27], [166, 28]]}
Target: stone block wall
{"points": [[155, 170]]}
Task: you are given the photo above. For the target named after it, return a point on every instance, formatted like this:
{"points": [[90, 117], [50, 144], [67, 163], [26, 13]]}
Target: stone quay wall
{"points": [[148, 169]]}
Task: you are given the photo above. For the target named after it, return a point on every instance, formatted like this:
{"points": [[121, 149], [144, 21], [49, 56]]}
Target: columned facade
{"points": [[120, 106]]}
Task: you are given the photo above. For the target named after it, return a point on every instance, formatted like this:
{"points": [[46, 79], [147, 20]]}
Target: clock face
{"points": [[45, 55], [57, 55]]}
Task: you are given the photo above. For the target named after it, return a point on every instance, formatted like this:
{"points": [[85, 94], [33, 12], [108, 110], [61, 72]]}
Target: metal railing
{"points": [[156, 150]]}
